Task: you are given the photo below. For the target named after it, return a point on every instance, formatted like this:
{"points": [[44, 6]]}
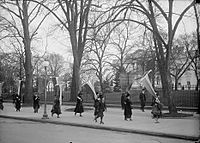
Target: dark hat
{"points": [[127, 94], [100, 95]]}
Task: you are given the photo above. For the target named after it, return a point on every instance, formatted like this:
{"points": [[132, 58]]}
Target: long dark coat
{"points": [[79, 105], [1, 103], [127, 108], [17, 102], [157, 109], [56, 107], [142, 99], [96, 104], [101, 107], [36, 104]]}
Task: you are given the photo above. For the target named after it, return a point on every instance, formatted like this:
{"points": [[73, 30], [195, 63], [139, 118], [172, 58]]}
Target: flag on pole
{"points": [[89, 84], [18, 86], [147, 84]]}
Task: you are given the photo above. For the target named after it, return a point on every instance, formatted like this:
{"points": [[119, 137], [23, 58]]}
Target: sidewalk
{"points": [[183, 128]]}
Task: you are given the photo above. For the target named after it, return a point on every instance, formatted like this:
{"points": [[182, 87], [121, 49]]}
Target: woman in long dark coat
{"points": [[1, 103], [96, 104], [79, 105], [17, 102], [56, 109], [142, 99], [36, 104], [101, 107], [157, 110], [127, 107]]}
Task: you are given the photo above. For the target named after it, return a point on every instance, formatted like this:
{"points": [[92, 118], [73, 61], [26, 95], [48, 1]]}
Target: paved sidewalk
{"points": [[184, 128]]}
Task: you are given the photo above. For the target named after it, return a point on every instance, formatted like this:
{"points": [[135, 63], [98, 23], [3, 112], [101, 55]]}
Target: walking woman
{"points": [[127, 107], [96, 104], [79, 105], [1, 103], [101, 107], [36, 104], [142, 99], [157, 110], [17, 102], [56, 107]]}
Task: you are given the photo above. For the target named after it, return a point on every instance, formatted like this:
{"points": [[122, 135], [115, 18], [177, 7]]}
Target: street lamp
{"points": [[45, 115]]}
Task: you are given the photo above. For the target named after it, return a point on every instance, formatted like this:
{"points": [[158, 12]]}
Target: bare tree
{"points": [[121, 42], [56, 64], [183, 56], [197, 16], [76, 23], [75, 20], [22, 15], [97, 50], [151, 22]]}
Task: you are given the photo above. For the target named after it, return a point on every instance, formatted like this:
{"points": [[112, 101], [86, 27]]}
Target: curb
{"points": [[159, 134]]}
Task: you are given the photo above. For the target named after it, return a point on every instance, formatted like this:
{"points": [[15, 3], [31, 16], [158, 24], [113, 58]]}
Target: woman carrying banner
{"points": [[127, 107], [36, 104], [17, 102], [56, 107], [157, 110], [96, 104], [79, 104], [101, 107]]}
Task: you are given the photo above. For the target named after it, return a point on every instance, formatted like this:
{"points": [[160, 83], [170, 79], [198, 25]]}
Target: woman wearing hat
{"points": [[127, 107], [157, 110], [36, 102], [79, 105], [101, 107], [56, 109], [142, 97]]}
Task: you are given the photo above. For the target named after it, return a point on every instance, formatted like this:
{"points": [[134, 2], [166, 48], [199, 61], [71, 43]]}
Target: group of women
{"points": [[99, 106], [127, 105]]}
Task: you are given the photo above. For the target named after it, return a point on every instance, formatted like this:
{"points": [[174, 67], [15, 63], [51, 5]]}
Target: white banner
{"points": [[92, 88], [147, 84], [60, 83], [18, 86]]}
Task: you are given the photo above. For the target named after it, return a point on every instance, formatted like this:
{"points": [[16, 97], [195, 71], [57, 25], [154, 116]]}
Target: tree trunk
{"points": [[75, 82], [167, 88], [176, 84], [28, 56], [101, 83]]}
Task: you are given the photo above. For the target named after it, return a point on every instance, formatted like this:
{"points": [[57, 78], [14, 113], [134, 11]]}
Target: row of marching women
{"points": [[99, 105]]}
